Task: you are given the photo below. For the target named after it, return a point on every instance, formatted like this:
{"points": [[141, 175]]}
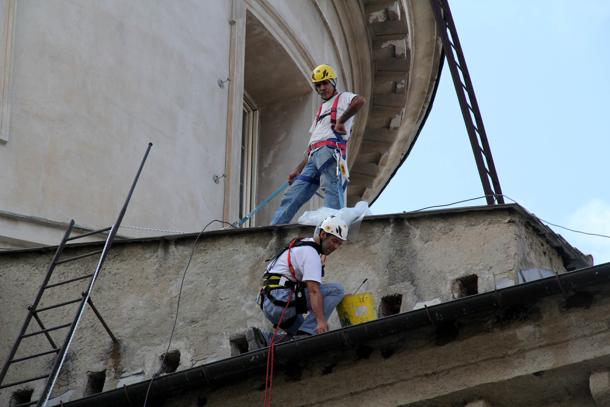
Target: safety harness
{"points": [[275, 281], [336, 142], [340, 152]]}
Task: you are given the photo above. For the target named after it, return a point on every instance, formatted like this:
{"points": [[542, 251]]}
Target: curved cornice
{"points": [[406, 55]]}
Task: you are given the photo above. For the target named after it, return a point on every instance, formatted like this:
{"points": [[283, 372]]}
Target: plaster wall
{"points": [[283, 141], [414, 255]]}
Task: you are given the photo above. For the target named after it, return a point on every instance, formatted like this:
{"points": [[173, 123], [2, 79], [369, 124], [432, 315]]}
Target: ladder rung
{"points": [[58, 305], [34, 356], [78, 257], [95, 232], [69, 281], [23, 381], [55, 328]]}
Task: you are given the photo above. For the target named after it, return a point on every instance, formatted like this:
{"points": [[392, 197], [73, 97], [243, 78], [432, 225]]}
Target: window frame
{"points": [[248, 159]]}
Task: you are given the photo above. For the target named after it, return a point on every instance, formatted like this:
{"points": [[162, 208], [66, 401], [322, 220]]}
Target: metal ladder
{"points": [[468, 102], [35, 310]]}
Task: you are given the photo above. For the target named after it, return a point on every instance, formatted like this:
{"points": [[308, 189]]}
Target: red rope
{"points": [[271, 353], [271, 359]]}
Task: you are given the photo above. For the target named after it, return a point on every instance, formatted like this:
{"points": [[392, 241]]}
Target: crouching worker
{"points": [[292, 285]]}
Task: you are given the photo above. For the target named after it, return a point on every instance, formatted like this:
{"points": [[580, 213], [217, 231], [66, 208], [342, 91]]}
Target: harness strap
{"points": [[328, 162], [333, 143], [274, 281], [270, 278], [290, 267], [274, 300], [333, 110]]}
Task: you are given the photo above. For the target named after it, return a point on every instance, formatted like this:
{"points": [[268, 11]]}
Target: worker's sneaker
{"points": [[256, 339]]}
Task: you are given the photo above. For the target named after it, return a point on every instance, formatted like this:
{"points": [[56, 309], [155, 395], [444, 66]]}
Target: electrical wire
{"points": [[516, 202], [171, 336], [449, 204], [153, 229], [559, 226]]}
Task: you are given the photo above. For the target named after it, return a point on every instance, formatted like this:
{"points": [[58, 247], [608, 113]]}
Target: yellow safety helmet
{"points": [[323, 73]]}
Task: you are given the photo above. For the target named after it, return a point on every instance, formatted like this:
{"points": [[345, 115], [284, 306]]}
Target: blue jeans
{"points": [[320, 171], [332, 294]]}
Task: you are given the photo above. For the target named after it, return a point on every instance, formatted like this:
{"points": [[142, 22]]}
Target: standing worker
{"points": [[326, 162], [292, 285]]}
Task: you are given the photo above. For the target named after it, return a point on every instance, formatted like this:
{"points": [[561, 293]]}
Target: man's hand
{"points": [[322, 327], [353, 108], [293, 175], [339, 127], [316, 301]]}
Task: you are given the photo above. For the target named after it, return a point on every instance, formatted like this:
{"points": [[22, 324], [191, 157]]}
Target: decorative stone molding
{"points": [[7, 40], [405, 59]]}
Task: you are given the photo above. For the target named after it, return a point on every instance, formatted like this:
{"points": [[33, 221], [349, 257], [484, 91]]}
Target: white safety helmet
{"points": [[335, 226]]}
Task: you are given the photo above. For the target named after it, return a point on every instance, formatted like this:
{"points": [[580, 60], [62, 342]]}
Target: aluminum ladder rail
{"points": [[468, 102], [34, 310]]}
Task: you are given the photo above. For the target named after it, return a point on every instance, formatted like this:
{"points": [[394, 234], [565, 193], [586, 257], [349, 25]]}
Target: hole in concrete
{"points": [[95, 382], [328, 369], [170, 361], [580, 299], [446, 332], [239, 344], [363, 352], [387, 352], [390, 305], [21, 396], [465, 286]]}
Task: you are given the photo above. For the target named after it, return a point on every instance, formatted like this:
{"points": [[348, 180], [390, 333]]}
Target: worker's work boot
{"points": [[256, 339]]}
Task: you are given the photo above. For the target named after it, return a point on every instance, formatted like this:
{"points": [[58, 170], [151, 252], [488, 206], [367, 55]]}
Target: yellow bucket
{"points": [[356, 309]]}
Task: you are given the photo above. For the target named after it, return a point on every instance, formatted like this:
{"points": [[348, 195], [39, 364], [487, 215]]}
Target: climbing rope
{"points": [[271, 358]]}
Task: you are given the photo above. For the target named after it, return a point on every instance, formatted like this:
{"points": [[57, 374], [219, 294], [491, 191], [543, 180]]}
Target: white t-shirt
{"points": [[322, 130], [305, 260]]}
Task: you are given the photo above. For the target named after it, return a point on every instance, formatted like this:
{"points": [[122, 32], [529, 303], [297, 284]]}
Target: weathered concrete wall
{"points": [[416, 256], [543, 357]]}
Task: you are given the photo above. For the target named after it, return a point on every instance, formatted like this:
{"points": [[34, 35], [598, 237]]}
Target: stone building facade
{"points": [[441, 340], [222, 90]]}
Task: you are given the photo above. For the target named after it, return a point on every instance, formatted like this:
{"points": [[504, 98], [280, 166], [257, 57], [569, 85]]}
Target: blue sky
{"points": [[541, 72]]}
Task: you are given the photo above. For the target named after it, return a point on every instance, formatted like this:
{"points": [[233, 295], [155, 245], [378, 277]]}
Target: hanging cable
{"points": [[449, 204], [153, 229], [171, 336], [516, 202]]}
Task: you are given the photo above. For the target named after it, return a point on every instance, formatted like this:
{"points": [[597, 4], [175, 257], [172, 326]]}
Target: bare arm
{"points": [[316, 300], [297, 170], [354, 106]]}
